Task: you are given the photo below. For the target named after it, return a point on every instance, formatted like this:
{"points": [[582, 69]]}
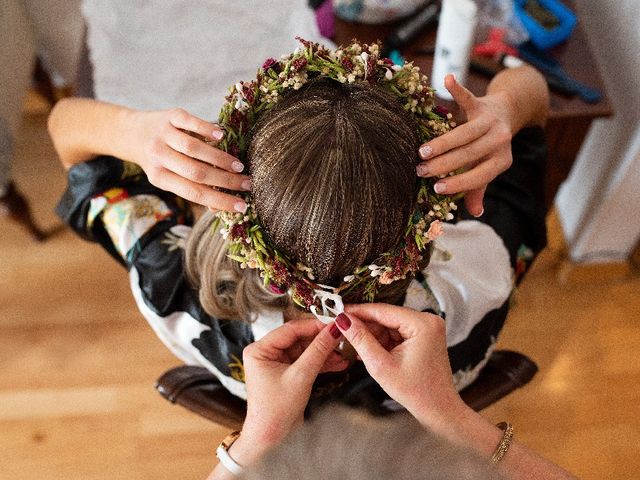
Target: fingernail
{"points": [[333, 330], [237, 166], [425, 151], [440, 188], [240, 207], [246, 185], [453, 75], [480, 214], [423, 170], [343, 321], [217, 134]]}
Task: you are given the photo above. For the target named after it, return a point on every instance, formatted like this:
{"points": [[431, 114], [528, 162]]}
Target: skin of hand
{"points": [[425, 387], [184, 164], [482, 146], [280, 370], [173, 159], [416, 373]]}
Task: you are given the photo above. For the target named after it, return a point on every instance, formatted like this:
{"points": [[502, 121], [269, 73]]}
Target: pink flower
{"points": [[276, 289], [435, 230], [386, 278]]}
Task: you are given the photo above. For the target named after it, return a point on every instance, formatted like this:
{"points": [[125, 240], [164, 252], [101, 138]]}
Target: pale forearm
{"points": [[526, 93], [469, 429], [82, 129]]}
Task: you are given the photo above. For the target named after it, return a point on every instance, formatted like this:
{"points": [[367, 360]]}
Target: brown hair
{"points": [[333, 182]]}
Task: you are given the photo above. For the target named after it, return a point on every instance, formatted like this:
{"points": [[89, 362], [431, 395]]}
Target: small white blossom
{"points": [[349, 278], [388, 74]]}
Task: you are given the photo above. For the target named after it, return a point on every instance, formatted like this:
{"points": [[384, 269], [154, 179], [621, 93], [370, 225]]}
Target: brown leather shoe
{"points": [[14, 206]]}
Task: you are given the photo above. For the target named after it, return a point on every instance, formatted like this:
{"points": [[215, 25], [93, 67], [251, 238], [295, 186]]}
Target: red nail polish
{"points": [[333, 330], [343, 321]]}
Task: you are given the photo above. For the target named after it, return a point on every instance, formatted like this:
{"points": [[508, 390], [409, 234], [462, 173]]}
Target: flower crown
{"points": [[357, 62]]}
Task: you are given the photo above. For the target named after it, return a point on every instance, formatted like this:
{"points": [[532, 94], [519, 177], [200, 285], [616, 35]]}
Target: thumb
{"points": [[314, 357], [373, 355], [463, 97]]}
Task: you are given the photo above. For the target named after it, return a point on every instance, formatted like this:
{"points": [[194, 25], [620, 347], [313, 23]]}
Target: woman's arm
{"points": [[173, 160], [515, 98], [425, 387]]}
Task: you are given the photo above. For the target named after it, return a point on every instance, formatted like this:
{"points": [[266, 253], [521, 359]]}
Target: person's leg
{"points": [[6, 152], [17, 54]]}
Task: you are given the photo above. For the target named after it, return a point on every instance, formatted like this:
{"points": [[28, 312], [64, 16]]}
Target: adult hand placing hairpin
{"points": [[482, 146], [280, 370], [182, 163]]}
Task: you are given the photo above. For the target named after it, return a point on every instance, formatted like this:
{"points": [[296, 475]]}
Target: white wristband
{"points": [[222, 452]]}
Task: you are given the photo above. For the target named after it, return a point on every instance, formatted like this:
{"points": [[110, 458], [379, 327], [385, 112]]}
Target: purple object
{"points": [[325, 19]]}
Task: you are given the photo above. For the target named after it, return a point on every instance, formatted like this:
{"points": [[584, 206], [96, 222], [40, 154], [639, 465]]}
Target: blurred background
{"points": [[79, 362]]}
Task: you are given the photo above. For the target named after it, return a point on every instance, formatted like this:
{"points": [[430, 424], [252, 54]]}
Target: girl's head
{"points": [[333, 183]]}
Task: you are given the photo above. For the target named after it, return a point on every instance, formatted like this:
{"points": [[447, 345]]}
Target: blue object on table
{"points": [[540, 36], [396, 57], [554, 72]]}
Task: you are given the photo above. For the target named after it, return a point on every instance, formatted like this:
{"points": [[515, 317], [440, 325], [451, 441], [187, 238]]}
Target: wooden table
{"points": [[569, 119]]}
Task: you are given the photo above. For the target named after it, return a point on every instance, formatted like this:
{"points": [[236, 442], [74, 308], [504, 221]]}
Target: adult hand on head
{"points": [[183, 164], [279, 372], [482, 146], [416, 372]]}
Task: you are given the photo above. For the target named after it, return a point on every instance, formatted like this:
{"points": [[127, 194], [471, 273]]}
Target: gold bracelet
{"points": [[505, 443]]}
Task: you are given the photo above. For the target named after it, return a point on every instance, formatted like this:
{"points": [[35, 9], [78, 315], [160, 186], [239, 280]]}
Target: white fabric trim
{"points": [[176, 331], [265, 322], [476, 279]]}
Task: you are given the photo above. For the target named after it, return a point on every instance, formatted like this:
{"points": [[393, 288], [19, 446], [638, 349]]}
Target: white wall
{"points": [[599, 204]]}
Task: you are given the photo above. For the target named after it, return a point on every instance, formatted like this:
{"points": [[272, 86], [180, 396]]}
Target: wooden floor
{"points": [[78, 363]]}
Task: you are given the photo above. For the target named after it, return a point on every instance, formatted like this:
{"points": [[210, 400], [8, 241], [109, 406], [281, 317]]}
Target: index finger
{"points": [[182, 119], [459, 136], [402, 319], [314, 357]]}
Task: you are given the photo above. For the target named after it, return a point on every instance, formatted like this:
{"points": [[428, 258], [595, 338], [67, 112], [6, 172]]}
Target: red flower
{"points": [[304, 42], [440, 110], [278, 290], [238, 120], [269, 63], [239, 232], [304, 293], [347, 64], [299, 63], [280, 273], [249, 92]]}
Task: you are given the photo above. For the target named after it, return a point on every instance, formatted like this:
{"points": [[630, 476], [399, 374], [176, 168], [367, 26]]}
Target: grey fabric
{"points": [[160, 55]]}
